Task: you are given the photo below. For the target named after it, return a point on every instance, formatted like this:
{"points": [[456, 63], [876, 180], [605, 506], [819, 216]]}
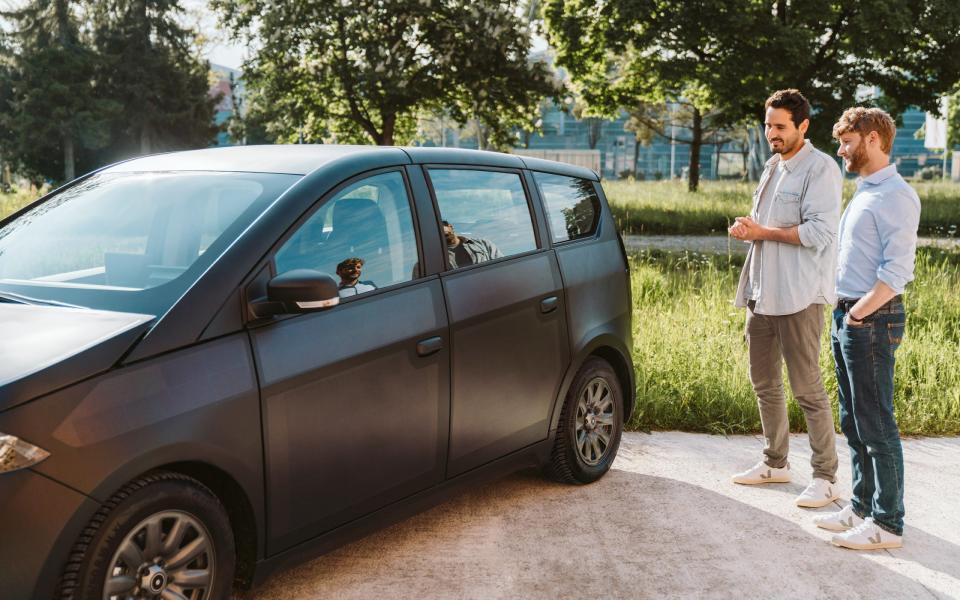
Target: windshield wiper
{"points": [[21, 299]]}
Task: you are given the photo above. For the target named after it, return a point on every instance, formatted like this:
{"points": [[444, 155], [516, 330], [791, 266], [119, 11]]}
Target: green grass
{"points": [[667, 208], [691, 358]]}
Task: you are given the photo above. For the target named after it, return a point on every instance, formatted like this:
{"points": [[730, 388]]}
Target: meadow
{"points": [[667, 208], [691, 358], [689, 350], [14, 200]]}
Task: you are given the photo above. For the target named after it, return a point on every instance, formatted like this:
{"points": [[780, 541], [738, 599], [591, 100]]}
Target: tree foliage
{"points": [[147, 64], [50, 117], [345, 71], [87, 83], [725, 56]]}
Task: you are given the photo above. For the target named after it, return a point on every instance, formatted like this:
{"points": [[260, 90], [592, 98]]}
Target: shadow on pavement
{"points": [[629, 535]]}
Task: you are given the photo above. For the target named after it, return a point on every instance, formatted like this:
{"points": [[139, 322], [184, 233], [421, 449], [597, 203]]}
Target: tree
{"points": [[726, 56], [50, 117], [346, 70], [682, 123], [650, 53], [147, 65]]}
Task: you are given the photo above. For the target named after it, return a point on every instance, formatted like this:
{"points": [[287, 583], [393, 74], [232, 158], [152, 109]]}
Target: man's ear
{"points": [[804, 125], [873, 138]]}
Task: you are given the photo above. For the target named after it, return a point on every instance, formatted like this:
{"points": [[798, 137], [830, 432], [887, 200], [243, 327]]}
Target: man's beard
{"points": [[858, 159], [786, 147]]}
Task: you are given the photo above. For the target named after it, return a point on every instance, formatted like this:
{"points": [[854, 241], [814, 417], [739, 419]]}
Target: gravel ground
{"points": [[664, 522]]}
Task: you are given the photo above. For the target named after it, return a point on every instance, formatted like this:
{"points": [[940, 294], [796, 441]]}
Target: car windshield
{"points": [[129, 241]]}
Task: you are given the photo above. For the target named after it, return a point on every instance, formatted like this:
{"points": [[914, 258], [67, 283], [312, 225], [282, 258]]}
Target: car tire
{"points": [[590, 425], [172, 525]]}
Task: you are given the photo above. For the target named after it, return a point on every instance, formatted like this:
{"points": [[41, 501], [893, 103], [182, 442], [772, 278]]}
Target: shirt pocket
{"points": [[785, 211]]}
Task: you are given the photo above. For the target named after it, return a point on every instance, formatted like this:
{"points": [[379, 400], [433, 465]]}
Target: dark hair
{"points": [[793, 102], [350, 262]]}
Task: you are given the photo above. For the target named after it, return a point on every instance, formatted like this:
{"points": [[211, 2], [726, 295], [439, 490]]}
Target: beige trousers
{"points": [[794, 339]]}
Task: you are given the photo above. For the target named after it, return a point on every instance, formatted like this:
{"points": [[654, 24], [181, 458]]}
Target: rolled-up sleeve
{"points": [[898, 235], [820, 211]]}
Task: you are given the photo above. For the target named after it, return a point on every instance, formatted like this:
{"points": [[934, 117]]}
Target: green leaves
{"points": [[332, 70], [84, 84]]}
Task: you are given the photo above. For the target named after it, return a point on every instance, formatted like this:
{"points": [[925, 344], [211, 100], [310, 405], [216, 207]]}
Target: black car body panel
{"points": [[45, 348], [312, 428]]}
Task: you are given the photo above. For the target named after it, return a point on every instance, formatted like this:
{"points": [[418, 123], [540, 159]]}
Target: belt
{"points": [[895, 304]]}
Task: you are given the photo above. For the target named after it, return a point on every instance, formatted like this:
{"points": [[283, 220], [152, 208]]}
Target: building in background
{"points": [[603, 145], [226, 83]]}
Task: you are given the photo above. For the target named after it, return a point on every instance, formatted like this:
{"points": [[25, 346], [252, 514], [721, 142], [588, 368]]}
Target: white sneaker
{"points": [[867, 536], [819, 493], [838, 521], [763, 473]]}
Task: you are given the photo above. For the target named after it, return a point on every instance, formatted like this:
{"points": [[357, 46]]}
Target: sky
{"points": [[220, 50]]}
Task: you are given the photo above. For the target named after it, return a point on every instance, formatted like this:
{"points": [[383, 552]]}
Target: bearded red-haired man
{"points": [[877, 245]]}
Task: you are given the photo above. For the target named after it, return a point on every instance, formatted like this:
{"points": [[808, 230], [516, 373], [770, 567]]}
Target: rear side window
{"points": [[573, 208], [485, 214]]}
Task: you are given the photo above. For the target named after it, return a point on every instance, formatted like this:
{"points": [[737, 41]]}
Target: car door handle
{"points": [[429, 346], [548, 305]]}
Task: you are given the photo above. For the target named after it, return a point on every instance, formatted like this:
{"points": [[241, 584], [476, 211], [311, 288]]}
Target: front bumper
{"points": [[39, 521]]}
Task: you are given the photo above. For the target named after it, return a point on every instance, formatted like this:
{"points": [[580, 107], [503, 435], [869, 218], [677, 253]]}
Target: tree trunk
{"points": [[145, 141], [386, 135], [696, 141], [636, 156], [69, 174], [782, 11]]}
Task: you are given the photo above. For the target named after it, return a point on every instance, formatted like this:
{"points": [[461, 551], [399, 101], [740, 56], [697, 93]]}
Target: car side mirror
{"points": [[298, 291]]}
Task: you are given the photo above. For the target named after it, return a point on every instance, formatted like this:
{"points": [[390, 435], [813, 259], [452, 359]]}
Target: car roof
{"points": [[300, 159]]}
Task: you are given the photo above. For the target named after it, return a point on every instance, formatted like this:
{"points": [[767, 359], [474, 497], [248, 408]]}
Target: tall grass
{"points": [[667, 208], [11, 202], [691, 358]]}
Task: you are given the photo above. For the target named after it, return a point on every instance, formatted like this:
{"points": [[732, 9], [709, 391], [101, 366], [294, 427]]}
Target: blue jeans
{"points": [[864, 359]]}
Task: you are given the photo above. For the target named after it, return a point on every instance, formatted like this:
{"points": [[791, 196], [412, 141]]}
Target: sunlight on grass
{"points": [[691, 357], [667, 208], [11, 202]]}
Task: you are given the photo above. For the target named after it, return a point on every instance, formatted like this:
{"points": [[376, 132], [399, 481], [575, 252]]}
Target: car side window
{"points": [[572, 204], [485, 215], [363, 237]]}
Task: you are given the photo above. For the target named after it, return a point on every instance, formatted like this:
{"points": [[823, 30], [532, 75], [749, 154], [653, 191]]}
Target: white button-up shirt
{"points": [[786, 278]]}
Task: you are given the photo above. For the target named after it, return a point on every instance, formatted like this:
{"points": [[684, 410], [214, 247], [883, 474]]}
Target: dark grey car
{"points": [[215, 363]]}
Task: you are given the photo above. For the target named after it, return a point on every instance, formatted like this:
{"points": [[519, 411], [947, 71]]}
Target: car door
{"points": [[355, 399], [507, 320]]}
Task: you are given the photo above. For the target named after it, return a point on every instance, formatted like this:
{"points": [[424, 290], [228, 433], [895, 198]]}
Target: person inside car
{"points": [[463, 251]]}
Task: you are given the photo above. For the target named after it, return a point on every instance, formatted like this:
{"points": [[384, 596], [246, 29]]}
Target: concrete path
{"points": [[664, 523], [722, 244]]}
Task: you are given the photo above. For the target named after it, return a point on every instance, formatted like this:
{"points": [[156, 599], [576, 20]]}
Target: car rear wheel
{"points": [[590, 426], [164, 535]]}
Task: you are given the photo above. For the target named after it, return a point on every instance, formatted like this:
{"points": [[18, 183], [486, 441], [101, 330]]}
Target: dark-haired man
{"points": [[786, 281], [463, 251], [878, 240], [349, 271]]}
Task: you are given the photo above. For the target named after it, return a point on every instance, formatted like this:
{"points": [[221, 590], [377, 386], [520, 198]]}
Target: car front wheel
{"points": [[164, 535], [590, 426]]}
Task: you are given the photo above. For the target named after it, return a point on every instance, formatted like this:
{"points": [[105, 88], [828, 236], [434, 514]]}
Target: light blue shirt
{"points": [[878, 235]]}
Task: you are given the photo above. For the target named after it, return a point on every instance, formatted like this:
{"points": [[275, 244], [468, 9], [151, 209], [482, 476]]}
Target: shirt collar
{"points": [[795, 161], [879, 176]]}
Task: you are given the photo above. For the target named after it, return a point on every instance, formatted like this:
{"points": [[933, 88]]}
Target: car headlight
{"points": [[17, 454]]}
